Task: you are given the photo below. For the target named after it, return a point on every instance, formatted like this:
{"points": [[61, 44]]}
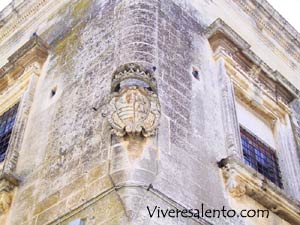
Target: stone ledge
{"points": [[241, 179]]}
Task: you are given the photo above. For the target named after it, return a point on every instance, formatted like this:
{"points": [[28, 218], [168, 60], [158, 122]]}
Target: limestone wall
{"points": [[66, 157]]}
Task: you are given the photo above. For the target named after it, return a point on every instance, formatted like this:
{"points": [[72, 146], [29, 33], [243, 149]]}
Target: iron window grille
{"points": [[260, 156], [7, 121]]}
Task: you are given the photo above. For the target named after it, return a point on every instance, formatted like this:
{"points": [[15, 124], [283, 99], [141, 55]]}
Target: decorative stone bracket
{"points": [[240, 180], [7, 184]]}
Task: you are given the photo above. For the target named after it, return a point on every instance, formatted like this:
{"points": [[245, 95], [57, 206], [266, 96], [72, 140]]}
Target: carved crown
{"points": [[132, 71]]}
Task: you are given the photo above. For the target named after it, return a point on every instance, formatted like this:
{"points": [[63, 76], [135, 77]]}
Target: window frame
{"points": [[18, 81], [259, 149], [5, 136], [239, 82]]}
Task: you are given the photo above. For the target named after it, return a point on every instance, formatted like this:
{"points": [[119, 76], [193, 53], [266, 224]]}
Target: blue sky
{"points": [[289, 9]]}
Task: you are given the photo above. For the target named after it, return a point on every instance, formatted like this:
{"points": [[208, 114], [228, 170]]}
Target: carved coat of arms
{"points": [[134, 110]]}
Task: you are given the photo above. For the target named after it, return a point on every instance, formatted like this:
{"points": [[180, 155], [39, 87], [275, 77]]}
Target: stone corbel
{"points": [[234, 184], [242, 180], [7, 183]]}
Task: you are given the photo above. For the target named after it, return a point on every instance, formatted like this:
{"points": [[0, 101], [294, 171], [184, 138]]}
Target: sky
{"points": [[289, 9]]}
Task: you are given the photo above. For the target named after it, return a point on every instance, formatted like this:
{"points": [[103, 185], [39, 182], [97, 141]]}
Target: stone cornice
{"points": [[35, 50], [264, 14], [242, 180], [16, 14], [15, 75], [252, 93], [219, 26]]}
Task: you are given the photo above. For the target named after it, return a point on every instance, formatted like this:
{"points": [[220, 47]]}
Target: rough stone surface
{"points": [[70, 165]]}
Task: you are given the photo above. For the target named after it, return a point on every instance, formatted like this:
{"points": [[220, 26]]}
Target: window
{"points": [[7, 120], [260, 156], [257, 99]]}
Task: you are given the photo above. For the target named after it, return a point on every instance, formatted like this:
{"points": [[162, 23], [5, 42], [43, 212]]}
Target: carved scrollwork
{"points": [[134, 107], [7, 184], [5, 201], [234, 185]]}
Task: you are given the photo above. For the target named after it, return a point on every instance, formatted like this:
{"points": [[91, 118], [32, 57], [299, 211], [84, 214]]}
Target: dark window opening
{"points": [[7, 121], [260, 156]]}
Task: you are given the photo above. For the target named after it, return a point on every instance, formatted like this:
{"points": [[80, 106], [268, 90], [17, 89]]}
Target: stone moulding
{"points": [[10, 21], [249, 91], [255, 96], [229, 115], [255, 83], [22, 69], [240, 180], [263, 15], [219, 26], [15, 75], [134, 107], [34, 50]]}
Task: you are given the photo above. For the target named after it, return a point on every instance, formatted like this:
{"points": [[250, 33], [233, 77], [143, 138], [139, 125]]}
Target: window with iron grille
{"points": [[7, 121], [260, 156]]}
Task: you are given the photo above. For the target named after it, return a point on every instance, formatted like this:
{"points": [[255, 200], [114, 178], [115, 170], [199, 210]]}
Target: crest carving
{"points": [[134, 108]]}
